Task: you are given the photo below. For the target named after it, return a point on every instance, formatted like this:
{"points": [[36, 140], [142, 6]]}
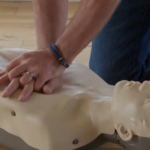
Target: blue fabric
{"points": [[122, 50]]}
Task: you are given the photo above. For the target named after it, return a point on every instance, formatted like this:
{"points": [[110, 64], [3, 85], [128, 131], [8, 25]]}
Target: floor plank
{"points": [[8, 10], [28, 10], [73, 7], [10, 44], [15, 4], [11, 36], [16, 19], [29, 45], [17, 27]]}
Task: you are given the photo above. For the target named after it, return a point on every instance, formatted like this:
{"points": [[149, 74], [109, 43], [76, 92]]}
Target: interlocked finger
{"points": [[27, 91], [4, 79], [32, 75], [16, 72], [2, 73], [52, 85], [25, 79], [11, 88]]}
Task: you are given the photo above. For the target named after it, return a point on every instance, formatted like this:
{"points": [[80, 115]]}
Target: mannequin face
{"points": [[131, 109]]}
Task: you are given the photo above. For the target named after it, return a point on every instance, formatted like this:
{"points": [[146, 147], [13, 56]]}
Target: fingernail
{"points": [[48, 90], [21, 98], [4, 94]]}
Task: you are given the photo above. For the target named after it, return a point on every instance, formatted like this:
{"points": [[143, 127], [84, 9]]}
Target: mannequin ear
{"points": [[126, 135]]}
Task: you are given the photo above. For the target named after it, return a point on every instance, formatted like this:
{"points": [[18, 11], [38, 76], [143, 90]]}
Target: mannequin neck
{"points": [[104, 115]]}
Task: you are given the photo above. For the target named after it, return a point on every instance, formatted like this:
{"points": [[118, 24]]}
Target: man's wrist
{"points": [[53, 48], [65, 51]]}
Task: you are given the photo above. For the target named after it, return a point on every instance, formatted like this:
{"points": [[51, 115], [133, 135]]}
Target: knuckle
{"points": [[15, 80], [26, 55], [34, 63], [7, 68], [31, 61], [37, 65], [10, 76], [22, 81]]}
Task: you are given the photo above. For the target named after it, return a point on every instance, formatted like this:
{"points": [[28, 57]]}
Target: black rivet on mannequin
{"points": [[13, 113], [76, 141]]}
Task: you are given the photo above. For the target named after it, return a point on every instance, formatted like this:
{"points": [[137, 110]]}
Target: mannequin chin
{"points": [[132, 101]]}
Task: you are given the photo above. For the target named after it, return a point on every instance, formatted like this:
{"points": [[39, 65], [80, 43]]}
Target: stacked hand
{"points": [[37, 71]]}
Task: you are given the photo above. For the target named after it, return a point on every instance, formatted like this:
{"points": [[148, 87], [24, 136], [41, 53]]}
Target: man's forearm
{"points": [[50, 20], [88, 22]]}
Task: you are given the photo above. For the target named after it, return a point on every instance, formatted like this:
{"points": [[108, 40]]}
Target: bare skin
{"points": [[50, 18]]}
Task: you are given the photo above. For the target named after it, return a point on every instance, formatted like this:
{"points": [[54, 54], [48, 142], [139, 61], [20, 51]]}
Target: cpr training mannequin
{"points": [[83, 114]]}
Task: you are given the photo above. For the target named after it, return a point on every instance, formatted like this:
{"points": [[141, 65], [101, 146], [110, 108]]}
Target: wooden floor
{"points": [[17, 30]]}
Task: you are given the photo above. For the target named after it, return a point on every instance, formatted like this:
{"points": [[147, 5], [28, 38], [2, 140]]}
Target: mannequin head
{"points": [[131, 109]]}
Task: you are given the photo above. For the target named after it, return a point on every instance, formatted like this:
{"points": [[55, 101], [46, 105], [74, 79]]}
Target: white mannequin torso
{"points": [[72, 112]]}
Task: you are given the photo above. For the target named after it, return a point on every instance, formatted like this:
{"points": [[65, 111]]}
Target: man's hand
{"points": [[42, 64], [15, 84]]}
